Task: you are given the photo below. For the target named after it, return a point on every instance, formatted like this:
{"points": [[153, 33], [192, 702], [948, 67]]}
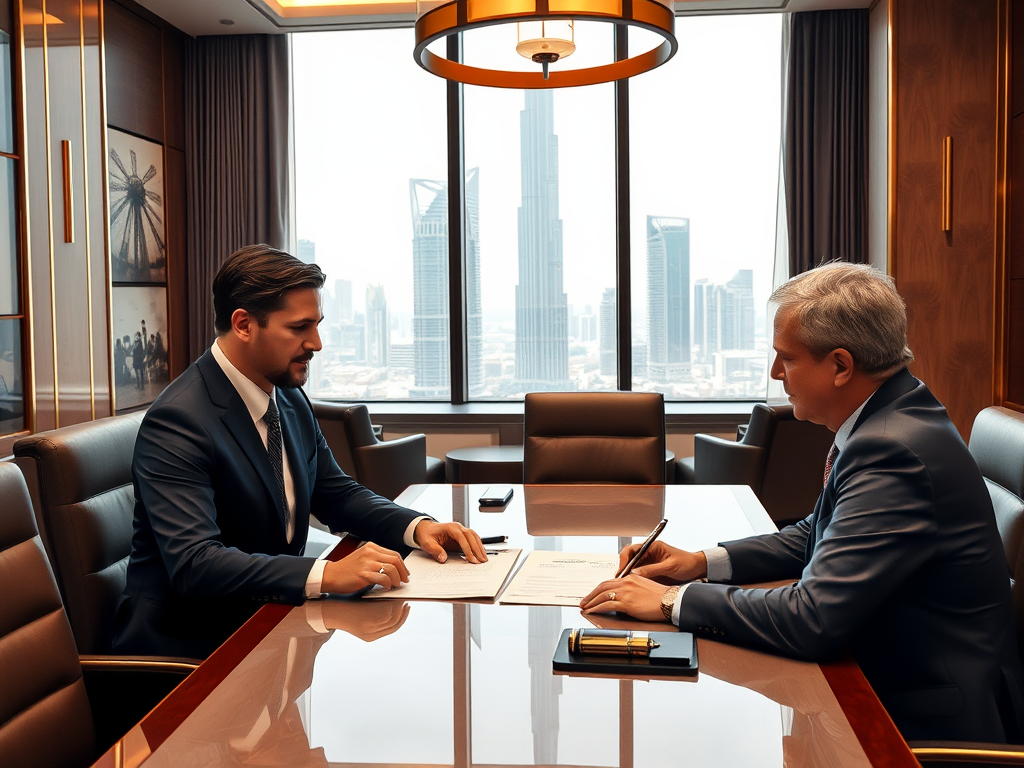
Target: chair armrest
{"points": [[123, 689], [966, 752], [390, 467], [723, 462]]}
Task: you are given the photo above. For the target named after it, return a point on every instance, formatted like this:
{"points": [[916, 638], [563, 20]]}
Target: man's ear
{"points": [[843, 362], [241, 324]]}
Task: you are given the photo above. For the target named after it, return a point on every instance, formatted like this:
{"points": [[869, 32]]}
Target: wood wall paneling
{"points": [[174, 89], [134, 73], [946, 86], [1017, 62], [1015, 339]]}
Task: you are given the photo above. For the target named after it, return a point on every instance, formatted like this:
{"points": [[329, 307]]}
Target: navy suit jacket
{"points": [[902, 563], [209, 542]]}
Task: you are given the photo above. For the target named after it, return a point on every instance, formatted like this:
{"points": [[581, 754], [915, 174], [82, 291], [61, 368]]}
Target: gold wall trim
{"points": [[85, 212], [67, 190], [49, 215], [947, 184], [1000, 283], [108, 288], [28, 343], [891, 255]]}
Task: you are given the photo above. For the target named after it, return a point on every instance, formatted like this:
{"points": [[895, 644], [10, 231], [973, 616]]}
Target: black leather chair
{"points": [[997, 444], [386, 467], [50, 713], [594, 437], [80, 480], [780, 458]]}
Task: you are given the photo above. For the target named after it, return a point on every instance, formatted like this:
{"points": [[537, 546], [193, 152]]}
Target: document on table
{"points": [[454, 579], [559, 578]]}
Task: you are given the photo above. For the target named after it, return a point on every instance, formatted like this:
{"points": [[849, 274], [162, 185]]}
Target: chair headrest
{"points": [[997, 444]]}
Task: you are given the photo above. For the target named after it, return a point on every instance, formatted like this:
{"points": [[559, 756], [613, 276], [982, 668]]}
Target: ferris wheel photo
{"points": [[135, 183]]}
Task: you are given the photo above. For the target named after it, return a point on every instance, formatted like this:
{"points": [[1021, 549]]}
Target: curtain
{"points": [[237, 101], [826, 138]]}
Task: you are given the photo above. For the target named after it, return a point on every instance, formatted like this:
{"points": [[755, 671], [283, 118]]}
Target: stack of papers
{"points": [[455, 579], [559, 578]]}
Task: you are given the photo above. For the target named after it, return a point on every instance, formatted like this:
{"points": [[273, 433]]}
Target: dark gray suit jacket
{"points": [[209, 543], [901, 562]]}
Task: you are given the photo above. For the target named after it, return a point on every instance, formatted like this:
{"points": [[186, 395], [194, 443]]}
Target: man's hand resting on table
{"points": [[434, 538], [368, 565]]}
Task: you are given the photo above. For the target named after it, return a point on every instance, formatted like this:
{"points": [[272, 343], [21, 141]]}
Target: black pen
{"points": [[643, 550], [494, 539]]}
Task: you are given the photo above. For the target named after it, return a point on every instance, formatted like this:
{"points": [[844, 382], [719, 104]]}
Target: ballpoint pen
{"points": [[643, 550]]}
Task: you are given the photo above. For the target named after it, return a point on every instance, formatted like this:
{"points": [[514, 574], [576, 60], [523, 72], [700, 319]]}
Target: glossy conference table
{"points": [[421, 683]]}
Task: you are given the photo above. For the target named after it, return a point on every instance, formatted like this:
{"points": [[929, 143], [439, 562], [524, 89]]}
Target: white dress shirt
{"points": [[719, 564]]}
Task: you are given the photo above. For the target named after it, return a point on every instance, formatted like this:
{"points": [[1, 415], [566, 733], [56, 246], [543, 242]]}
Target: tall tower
{"points": [[430, 322], [542, 338], [378, 337], [430, 288], [668, 299], [307, 251], [608, 333]]}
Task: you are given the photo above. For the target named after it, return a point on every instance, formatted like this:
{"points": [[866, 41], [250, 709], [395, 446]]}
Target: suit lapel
{"points": [[238, 421], [897, 385]]}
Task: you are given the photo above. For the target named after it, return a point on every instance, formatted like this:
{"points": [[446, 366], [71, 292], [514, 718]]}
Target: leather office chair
{"points": [[997, 444], [80, 480], [46, 717], [386, 467], [779, 457], [594, 437]]}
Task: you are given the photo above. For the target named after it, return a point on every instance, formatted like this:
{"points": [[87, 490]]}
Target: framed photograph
{"points": [[140, 345], [138, 239]]}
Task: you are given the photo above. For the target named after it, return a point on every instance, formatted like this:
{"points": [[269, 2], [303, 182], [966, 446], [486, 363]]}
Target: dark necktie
{"points": [[829, 462], [273, 422]]}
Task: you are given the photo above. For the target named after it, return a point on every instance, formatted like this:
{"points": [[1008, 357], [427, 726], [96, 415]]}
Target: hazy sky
{"points": [[704, 144]]}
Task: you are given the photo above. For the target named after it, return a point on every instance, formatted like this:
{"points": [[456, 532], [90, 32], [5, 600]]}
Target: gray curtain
{"points": [[826, 138], [237, 92]]}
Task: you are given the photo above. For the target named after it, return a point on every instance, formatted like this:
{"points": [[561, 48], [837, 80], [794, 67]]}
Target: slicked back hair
{"points": [[850, 306], [256, 278]]}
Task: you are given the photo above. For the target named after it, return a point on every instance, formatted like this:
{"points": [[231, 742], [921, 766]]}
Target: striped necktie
{"points": [[274, 445], [829, 462]]}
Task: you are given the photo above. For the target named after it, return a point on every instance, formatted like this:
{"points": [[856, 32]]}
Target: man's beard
{"points": [[287, 380]]}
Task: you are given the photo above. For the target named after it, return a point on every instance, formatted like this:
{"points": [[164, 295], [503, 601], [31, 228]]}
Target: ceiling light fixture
{"points": [[545, 34]]}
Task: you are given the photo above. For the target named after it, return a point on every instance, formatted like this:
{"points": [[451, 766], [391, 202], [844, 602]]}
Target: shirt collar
{"points": [[255, 399], [843, 433]]}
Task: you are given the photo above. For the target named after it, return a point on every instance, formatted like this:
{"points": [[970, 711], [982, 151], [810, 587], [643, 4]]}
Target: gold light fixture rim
{"points": [[655, 17]]}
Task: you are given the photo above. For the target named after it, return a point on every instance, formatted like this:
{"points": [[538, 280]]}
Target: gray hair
{"points": [[850, 306]]}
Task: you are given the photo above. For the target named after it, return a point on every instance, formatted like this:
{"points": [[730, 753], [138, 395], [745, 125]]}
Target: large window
{"points": [[539, 219]]}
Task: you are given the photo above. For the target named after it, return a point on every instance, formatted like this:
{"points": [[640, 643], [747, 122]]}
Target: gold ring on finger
{"points": [[611, 595]]}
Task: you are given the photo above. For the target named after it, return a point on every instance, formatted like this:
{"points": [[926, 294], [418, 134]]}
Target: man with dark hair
{"points": [[900, 561], [230, 463]]}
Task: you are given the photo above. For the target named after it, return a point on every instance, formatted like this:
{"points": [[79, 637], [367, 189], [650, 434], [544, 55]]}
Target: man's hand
{"points": [[635, 595], [663, 562], [368, 565], [434, 538]]}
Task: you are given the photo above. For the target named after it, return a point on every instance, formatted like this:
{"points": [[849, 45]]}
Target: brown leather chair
{"points": [[386, 467], [80, 480], [780, 458], [46, 717], [997, 444], [594, 437]]}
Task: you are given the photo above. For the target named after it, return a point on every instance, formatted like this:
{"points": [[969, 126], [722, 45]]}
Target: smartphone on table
{"points": [[496, 496]]}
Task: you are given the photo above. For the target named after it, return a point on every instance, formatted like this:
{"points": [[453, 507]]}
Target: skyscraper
{"points": [[343, 296], [542, 339], [378, 337], [430, 324], [723, 315], [607, 333], [668, 299]]}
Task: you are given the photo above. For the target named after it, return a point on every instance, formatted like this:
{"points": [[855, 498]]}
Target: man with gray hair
{"points": [[900, 560]]}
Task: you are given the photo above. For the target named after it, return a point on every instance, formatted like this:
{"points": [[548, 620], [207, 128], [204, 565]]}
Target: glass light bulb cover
{"points": [[527, 48]]}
